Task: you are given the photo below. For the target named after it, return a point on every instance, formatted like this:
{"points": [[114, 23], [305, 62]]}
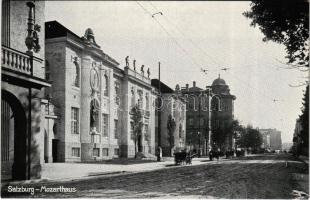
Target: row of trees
{"points": [[245, 137], [301, 139], [248, 137]]}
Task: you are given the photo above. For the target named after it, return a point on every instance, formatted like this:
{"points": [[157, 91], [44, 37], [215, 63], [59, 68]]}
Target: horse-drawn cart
{"points": [[183, 158]]}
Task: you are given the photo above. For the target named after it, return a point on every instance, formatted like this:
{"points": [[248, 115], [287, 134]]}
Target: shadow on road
{"points": [[259, 180]]}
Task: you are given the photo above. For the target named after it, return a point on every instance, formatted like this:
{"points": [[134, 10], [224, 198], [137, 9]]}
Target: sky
{"points": [[189, 36]]}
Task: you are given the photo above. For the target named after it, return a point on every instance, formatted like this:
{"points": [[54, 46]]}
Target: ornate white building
{"points": [[93, 98]]}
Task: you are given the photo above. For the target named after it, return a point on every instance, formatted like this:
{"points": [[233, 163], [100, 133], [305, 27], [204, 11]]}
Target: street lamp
{"points": [[212, 95]]}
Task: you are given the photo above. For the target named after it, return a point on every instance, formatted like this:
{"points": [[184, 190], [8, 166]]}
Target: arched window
{"points": [[180, 131], [140, 100], [215, 103], [117, 92], [76, 74], [147, 102], [132, 97], [106, 86]]}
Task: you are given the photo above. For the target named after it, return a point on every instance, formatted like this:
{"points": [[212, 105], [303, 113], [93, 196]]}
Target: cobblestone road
{"points": [[265, 176]]}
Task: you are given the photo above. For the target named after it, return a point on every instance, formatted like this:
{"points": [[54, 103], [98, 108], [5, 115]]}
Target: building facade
{"points": [[197, 115], [22, 85], [92, 98], [222, 115], [271, 139], [215, 101], [172, 111]]}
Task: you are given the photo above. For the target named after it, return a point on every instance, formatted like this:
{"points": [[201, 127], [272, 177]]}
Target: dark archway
{"points": [[12, 110]]}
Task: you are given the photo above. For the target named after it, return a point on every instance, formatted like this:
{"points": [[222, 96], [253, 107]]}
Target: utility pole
{"points": [[199, 152], [159, 151], [209, 121]]}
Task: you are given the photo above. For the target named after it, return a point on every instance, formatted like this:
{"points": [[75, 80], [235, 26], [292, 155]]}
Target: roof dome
{"points": [[218, 81], [89, 35]]}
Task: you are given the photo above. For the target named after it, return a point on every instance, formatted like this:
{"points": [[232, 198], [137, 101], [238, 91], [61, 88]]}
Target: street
{"points": [[259, 176]]}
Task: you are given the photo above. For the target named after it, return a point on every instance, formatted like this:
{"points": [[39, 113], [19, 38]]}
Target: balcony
{"points": [[16, 61], [22, 68]]}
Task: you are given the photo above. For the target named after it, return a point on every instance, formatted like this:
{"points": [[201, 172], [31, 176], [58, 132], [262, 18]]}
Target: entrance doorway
{"points": [[13, 138]]}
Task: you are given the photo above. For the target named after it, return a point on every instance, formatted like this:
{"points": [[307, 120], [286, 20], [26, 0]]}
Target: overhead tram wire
{"points": [[189, 39], [239, 80], [202, 50], [167, 32], [213, 60]]}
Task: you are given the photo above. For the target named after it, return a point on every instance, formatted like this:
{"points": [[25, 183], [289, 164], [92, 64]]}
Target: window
{"points": [[96, 152], [105, 152], [147, 103], [117, 93], [116, 129], [105, 125], [132, 97], [76, 73], [216, 103], [75, 152], [180, 131], [116, 152], [74, 120], [106, 86], [140, 100]]}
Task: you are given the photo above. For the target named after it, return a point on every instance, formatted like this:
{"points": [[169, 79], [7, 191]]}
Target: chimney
{"points": [[186, 86], [194, 83]]}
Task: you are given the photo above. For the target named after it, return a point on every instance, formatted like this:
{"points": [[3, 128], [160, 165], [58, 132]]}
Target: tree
{"points": [[249, 138], [304, 120], [171, 126], [137, 124], [285, 22], [222, 132]]}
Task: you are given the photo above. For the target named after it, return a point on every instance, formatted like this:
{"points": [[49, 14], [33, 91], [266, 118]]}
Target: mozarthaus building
{"points": [[93, 98]]}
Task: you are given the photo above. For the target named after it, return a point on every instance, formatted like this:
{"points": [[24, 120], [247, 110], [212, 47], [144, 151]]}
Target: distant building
{"points": [[172, 112], [222, 118], [22, 85], [271, 139], [93, 98], [197, 116]]}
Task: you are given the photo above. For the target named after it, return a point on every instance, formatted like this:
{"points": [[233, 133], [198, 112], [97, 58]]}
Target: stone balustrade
{"points": [[15, 60], [139, 76]]}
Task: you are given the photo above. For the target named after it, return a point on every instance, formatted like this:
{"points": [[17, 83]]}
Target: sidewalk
{"points": [[71, 171], [304, 159]]}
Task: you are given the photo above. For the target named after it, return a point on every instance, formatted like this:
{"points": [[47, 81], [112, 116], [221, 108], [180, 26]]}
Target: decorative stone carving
{"points": [[89, 35], [148, 72], [134, 65], [94, 115], [32, 39], [127, 61], [94, 80], [142, 69]]}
